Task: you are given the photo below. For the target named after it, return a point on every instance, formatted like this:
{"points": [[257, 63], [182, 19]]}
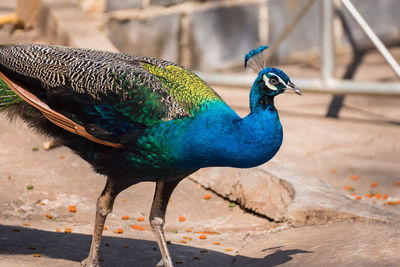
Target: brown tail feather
{"points": [[52, 115]]}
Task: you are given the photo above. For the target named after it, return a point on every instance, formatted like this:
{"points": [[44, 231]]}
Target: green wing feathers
{"points": [[185, 87], [7, 96]]}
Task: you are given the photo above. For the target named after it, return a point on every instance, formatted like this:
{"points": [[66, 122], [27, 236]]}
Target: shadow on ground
{"points": [[277, 257], [119, 251]]}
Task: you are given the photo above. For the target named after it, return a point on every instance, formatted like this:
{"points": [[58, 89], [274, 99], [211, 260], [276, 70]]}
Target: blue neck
{"points": [[222, 138]]}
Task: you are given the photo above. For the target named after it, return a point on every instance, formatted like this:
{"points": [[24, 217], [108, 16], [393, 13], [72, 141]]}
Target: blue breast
{"points": [[224, 139]]}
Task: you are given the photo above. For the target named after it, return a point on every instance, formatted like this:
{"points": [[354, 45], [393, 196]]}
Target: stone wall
{"points": [[213, 35]]}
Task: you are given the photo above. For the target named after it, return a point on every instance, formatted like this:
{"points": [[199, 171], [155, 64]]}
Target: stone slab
{"points": [[283, 193]]}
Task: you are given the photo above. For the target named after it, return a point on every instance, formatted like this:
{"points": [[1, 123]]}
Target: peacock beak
{"points": [[293, 88]]}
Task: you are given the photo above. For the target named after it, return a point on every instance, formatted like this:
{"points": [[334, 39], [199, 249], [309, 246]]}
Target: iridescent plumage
{"points": [[139, 119]]}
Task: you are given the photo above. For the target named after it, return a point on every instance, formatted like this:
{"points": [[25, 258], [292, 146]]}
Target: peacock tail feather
{"points": [[8, 97]]}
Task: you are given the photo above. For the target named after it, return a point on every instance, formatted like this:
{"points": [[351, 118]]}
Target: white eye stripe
{"points": [[265, 78], [267, 83], [272, 87], [279, 78]]}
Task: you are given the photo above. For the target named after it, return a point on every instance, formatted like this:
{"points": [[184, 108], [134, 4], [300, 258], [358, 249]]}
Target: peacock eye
{"points": [[273, 81]]}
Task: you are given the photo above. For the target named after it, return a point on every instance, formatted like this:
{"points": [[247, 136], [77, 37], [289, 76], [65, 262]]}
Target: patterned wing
{"points": [[109, 95]]}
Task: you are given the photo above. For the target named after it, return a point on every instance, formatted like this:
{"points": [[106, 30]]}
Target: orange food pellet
{"points": [[348, 187], [385, 196], [368, 195], [72, 208], [118, 231], [378, 196], [61, 157], [67, 230], [398, 201], [203, 237], [216, 243], [105, 228], [358, 197], [397, 183], [27, 224], [137, 227], [228, 249], [48, 216], [125, 217], [207, 196], [205, 233], [374, 184], [140, 219], [353, 194], [187, 238], [182, 219], [354, 177], [36, 255], [58, 230], [183, 241], [188, 230], [42, 203]]}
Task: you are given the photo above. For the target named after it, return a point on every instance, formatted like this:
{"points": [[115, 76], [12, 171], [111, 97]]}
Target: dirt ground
{"points": [[59, 179]]}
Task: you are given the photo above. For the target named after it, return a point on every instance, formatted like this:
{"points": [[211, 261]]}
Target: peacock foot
{"points": [[90, 262], [162, 264]]}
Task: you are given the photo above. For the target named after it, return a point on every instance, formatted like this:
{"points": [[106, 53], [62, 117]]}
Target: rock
{"points": [[251, 188], [283, 193]]}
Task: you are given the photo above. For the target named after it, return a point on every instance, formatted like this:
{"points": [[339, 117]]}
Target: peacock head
{"points": [[270, 81]]}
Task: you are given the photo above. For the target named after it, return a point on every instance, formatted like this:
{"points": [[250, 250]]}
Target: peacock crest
{"points": [[255, 59]]}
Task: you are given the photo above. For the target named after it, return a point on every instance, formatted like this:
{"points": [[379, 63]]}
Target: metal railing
{"points": [[327, 82]]}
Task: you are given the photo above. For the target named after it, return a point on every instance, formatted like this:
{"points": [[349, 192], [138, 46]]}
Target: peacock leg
{"points": [[157, 218], [104, 206]]}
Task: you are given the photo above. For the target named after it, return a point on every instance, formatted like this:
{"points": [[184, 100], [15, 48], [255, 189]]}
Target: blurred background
{"points": [[344, 130]]}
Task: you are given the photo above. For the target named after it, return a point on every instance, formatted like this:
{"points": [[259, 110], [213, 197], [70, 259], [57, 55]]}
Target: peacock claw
{"points": [[90, 263]]}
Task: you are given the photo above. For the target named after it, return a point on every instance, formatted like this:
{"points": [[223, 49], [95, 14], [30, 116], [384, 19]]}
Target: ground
{"points": [[363, 142]]}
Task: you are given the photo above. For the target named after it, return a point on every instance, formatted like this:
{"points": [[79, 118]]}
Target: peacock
{"points": [[138, 119]]}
